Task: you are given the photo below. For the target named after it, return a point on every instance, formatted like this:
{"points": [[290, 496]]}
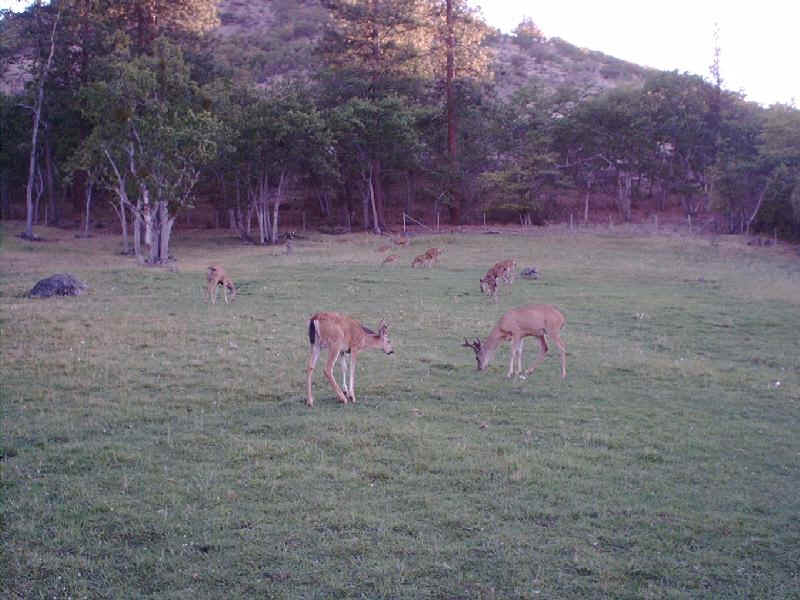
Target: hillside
{"points": [[552, 62], [279, 36]]}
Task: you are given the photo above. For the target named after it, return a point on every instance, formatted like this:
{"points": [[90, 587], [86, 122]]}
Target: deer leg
{"points": [[333, 355], [312, 361], [344, 374], [519, 357], [352, 378], [514, 346], [225, 293], [212, 292], [563, 349], [540, 357]]}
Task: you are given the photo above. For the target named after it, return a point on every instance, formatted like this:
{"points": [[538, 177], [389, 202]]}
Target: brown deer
{"points": [[341, 335], [216, 276], [504, 270], [389, 259], [423, 260], [537, 320], [434, 254]]}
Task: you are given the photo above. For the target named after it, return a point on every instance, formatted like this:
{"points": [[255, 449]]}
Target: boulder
{"points": [[60, 284]]}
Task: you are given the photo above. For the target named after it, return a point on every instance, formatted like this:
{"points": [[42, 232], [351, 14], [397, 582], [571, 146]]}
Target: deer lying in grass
{"points": [[389, 259], [216, 276], [341, 335], [537, 320], [502, 271]]}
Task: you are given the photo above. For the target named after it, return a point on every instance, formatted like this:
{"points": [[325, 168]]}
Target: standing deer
{"points": [[537, 320], [343, 335], [216, 276]]}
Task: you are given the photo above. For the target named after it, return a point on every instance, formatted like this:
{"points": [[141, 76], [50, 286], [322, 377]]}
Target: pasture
{"points": [[156, 446]]}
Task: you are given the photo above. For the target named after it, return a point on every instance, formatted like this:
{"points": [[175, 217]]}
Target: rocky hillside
{"points": [[518, 59], [277, 37]]}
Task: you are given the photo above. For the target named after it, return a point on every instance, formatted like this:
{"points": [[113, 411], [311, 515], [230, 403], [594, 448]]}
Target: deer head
{"points": [[480, 353], [386, 344]]}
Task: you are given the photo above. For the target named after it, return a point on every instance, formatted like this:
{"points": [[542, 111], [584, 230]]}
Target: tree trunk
{"points": [[137, 228], [166, 231], [376, 197], [123, 221], [455, 206], [624, 195], [88, 207], [37, 116], [276, 206]]}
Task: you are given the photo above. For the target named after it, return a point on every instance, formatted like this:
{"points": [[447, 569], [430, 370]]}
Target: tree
{"points": [[525, 165], [371, 135], [151, 125], [285, 137], [48, 49]]}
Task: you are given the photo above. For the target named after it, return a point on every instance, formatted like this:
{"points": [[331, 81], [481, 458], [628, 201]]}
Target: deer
{"points": [[216, 276], [341, 335], [538, 320], [502, 270], [434, 254], [423, 260], [389, 259]]}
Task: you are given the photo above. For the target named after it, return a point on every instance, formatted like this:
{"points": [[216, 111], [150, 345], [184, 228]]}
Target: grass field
{"points": [[155, 446]]}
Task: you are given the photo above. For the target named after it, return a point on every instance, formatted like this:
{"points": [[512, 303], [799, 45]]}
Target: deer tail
{"points": [[313, 330]]}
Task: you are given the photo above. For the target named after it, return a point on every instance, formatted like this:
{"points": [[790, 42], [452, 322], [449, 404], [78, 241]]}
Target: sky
{"points": [[757, 40]]}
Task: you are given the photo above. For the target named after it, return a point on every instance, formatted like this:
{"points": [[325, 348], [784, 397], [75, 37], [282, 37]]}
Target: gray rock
{"points": [[60, 284]]}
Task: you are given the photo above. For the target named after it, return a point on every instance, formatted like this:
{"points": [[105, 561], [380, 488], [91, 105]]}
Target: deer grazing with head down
{"points": [[342, 335], [423, 260], [538, 320], [502, 271], [216, 276]]}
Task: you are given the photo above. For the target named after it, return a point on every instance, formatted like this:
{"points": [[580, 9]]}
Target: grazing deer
{"points": [[537, 320], [216, 276], [343, 335], [423, 260], [504, 270], [434, 254], [390, 258]]}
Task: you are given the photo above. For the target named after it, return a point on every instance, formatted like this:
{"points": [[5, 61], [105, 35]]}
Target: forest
{"points": [[348, 114]]}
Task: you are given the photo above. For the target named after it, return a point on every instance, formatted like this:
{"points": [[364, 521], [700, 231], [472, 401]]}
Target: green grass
{"points": [[155, 446]]}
